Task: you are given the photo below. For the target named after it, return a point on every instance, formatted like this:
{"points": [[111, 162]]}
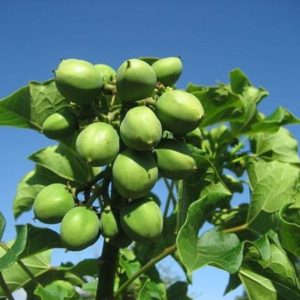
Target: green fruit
{"points": [[108, 223], [134, 173], [79, 228], [142, 220], [168, 70], [174, 160], [140, 129], [98, 144], [78, 80], [52, 203], [59, 125], [179, 111], [107, 73], [135, 80]]}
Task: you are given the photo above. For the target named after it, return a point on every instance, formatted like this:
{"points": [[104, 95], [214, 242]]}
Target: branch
{"points": [[107, 270], [145, 268]]}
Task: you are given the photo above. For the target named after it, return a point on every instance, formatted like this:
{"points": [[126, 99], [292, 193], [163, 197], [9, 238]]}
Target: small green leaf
{"points": [[267, 200], [238, 81], [152, 291], [86, 267], [65, 162], [233, 283], [30, 185], [56, 290], [2, 225], [271, 123], [280, 145]]}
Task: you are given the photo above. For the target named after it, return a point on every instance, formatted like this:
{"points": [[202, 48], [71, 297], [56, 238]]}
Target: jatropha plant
{"points": [[120, 132]]}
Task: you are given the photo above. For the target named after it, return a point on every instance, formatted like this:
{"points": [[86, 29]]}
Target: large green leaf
{"points": [[29, 187], [257, 286], [29, 106], [2, 225], [277, 146], [152, 291], [16, 277], [273, 185], [65, 162], [289, 228], [187, 239], [29, 241], [178, 290]]}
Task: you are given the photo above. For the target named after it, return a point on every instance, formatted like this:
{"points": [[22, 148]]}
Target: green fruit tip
{"points": [[128, 64]]}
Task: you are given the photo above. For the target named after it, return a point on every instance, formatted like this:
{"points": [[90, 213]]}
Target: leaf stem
{"points": [[236, 228], [107, 270], [5, 288], [167, 251]]}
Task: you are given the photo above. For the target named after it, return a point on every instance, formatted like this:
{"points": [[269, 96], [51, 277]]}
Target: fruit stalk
{"points": [[107, 270]]}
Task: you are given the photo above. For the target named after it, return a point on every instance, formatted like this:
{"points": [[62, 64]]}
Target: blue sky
{"points": [[212, 37]]}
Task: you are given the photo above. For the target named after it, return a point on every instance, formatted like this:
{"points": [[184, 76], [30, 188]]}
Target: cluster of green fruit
{"points": [[147, 141]]}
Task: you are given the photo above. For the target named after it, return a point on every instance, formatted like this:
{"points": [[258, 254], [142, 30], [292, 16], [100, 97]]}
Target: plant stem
{"points": [[167, 251], [170, 197], [5, 288], [236, 228], [107, 270]]}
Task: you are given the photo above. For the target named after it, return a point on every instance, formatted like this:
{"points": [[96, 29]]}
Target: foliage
{"points": [[232, 149]]}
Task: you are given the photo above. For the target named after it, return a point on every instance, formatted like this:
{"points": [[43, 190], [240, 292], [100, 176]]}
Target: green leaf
{"points": [[289, 229], [267, 200], [56, 290], [238, 81], [30, 240], [29, 106], [30, 185], [220, 104], [86, 267], [65, 162], [2, 225], [178, 290], [257, 286], [152, 291], [15, 276], [279, 117], [280, 145], [219, 249], [197, 213], [15, 110], [233, 283], [260, 249], [45, 100]]}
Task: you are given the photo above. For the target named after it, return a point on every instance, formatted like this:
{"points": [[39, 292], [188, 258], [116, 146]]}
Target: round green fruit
{"points": [[64, 288], [52, 203], [107, 73], [168, 70], [78, 80], [134, 173], [59, 125], [98, 144], [80, 228], [142, 220], [179, 111], [140, 129], [174, 160], [108, 223], [135, 80]]}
